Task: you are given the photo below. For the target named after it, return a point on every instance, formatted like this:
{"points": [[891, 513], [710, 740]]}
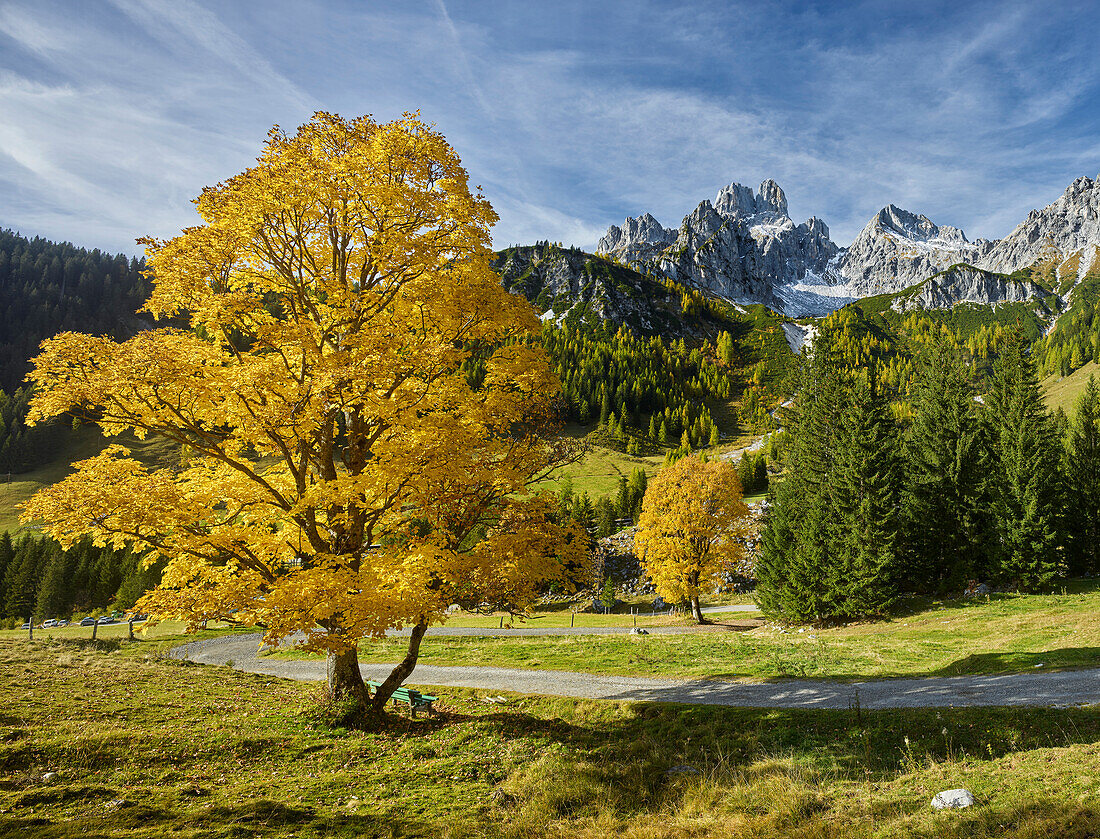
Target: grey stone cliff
{"points": [[742, 247], [966, 284], [745, 248], [1069, 225]]}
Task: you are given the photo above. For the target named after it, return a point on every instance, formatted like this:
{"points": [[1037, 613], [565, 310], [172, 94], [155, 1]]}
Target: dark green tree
{"points": [[797, 549], [866, 525], [605, 518], [1028, 491], [947, 463], [1082, 470]]}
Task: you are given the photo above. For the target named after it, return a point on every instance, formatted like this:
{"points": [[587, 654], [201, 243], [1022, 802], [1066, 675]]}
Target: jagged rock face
{"points": [[742, 247], [898, 249], [559, 281], [1070, 224], [745, 248], [771, 199], [966, 284], [638, 241]]}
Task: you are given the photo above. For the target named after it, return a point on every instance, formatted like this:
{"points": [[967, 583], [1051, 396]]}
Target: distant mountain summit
{"points": [[744, 247]]}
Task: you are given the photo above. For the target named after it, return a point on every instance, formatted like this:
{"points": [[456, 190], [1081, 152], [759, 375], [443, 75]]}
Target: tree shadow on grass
{"points": [[1066, 658], [255, 818]]}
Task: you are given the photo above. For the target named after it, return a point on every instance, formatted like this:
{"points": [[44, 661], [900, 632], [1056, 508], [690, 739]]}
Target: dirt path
{"points": [[1078, 687]]}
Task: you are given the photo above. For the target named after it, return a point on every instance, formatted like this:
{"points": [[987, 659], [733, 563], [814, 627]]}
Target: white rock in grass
{"points": [[952, 799]]}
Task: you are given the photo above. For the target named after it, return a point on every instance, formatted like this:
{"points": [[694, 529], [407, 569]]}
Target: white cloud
{"points": [[115, 118]]}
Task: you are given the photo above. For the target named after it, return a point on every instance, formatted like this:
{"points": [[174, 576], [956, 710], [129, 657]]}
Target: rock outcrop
{"points": [[967, 284], [742, 247], [745, 248]]}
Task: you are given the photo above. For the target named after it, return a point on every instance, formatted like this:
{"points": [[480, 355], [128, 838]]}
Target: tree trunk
{"points": [[401, 672], [696, 611], [344, 679]]}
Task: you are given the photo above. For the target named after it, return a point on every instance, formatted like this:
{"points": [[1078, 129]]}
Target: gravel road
{"points": [[1077, 687], [530, 629]]}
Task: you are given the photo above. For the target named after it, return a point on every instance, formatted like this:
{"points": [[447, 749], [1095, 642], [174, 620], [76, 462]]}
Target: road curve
{"points": [[1059, 690]]}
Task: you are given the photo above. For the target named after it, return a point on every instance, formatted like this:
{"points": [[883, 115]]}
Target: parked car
{"points": [[26, 626], [49, 623], [61, 623], [87, 622], [106, 619]]}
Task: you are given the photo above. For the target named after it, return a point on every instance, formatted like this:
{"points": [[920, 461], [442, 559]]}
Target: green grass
{"points": [[108, 632], [1062, 392], [84, 443], [1010, 633], [599, 471], [144, 748]]}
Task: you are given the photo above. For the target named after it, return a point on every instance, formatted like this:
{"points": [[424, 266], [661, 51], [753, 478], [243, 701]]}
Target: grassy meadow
{"points": [[85, 442], [1005, 633], [147, 747], [1062, 392]]}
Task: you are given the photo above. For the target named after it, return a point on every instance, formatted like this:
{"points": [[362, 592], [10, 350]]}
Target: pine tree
{"points": [[949, 532], [622, 498], [7, 556], [1028, 500], [1082, 469]]}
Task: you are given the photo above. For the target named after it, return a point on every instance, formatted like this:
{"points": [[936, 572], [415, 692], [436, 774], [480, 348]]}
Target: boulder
{"points": [[953, 799]]}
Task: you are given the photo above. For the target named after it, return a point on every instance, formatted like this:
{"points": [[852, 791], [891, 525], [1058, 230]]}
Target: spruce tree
{"points": [[7, 556], [1028, 497], [947, 461], [1082, 470], [605, 518], [866, 495], [796, 549]]}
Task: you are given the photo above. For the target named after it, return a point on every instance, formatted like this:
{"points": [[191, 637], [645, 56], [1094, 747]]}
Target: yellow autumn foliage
{"points": [[690, 530], [341, 474]]}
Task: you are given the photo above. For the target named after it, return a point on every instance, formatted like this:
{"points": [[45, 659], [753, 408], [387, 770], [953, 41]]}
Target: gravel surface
{"points": [[1077, 687]]}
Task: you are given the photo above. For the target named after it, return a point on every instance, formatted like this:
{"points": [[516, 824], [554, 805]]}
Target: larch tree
{"points": [[691, 528], [345, 466]]}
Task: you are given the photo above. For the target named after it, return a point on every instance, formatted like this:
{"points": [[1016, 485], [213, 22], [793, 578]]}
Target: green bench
{"points": [[407, 696]]}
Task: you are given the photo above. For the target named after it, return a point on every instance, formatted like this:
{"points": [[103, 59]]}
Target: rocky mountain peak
{"points": [[915, 226], [1058, 230], [770, 198], [744, 247], [639, 238], [735, 200]]}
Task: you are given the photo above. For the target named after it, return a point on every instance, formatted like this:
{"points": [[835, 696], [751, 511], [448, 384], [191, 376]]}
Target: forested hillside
{"points": [[46, 288], [39, 580]]}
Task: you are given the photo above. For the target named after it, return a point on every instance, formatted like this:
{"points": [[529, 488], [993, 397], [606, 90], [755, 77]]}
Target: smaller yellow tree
{"points": [[691, 527]]}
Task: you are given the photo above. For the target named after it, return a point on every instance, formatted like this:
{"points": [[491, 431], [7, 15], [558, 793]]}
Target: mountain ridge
{"points": [[743, 247]]}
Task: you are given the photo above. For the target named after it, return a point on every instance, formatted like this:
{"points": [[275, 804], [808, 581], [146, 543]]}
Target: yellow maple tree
{"points": [[691, 528], [358, 406]]}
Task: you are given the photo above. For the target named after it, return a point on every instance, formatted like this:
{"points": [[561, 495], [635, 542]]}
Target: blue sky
{"points": [[571, 115]]}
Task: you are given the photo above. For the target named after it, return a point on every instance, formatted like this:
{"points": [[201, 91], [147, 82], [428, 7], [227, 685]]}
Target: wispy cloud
{"points": [[571, 115]]}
